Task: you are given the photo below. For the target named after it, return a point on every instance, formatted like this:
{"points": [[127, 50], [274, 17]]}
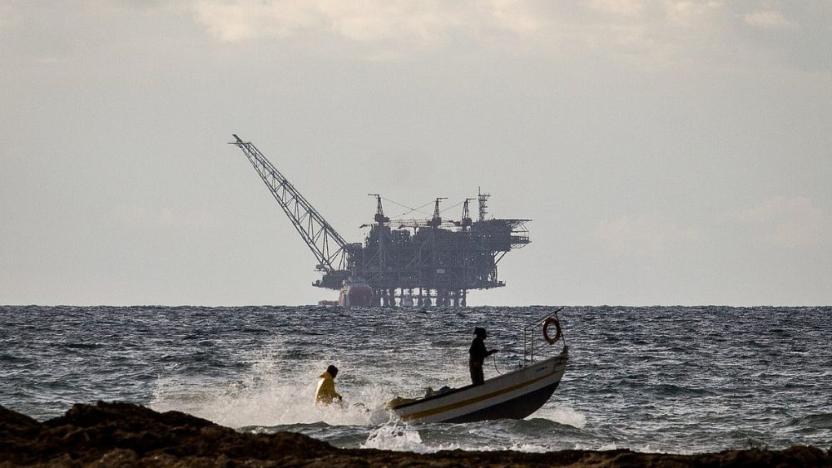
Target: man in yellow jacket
{"points": [[326, 393]]}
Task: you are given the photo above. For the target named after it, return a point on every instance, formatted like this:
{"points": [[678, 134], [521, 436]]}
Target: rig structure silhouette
{"points": [[406, 262]]}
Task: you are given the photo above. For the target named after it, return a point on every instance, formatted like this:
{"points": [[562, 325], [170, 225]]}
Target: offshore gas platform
{"points": [[422, 262]]}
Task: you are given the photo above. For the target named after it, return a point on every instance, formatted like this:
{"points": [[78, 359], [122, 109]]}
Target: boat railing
{"points": [[529, 336]]}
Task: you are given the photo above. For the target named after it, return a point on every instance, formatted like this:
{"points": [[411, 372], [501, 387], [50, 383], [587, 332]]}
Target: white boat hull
{"points": [[514, 395]]}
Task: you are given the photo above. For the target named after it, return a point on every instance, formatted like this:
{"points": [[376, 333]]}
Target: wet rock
{"points": [[126, 435]]}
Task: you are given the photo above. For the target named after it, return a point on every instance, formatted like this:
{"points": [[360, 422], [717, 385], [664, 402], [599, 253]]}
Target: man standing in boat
{"points": [[477, 355]]}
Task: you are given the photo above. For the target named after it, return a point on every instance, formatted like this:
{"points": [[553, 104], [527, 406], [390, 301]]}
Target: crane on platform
{"points": [[329, 247]]}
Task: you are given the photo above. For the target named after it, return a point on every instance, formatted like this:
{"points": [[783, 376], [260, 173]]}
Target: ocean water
{"points": [[659, 379]]}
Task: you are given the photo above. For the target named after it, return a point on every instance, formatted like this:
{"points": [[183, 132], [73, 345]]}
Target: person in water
{"points": [[326, 394], [477, 355]]}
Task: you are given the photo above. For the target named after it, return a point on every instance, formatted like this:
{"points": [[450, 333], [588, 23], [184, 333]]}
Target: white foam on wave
{"points": [[642, 448], [396, 436], [401, 437], [565, 415], [273, 391], [526, 447]]}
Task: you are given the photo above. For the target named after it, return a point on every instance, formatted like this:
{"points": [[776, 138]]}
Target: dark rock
{"points": [[16, 430], [16, 424], [126, 435]]}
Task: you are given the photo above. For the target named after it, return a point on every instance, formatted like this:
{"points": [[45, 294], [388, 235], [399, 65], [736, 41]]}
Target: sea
{"points": [[651, 379]]}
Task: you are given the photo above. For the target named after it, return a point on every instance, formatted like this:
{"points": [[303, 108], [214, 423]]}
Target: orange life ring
{"points": [[558, 332]]}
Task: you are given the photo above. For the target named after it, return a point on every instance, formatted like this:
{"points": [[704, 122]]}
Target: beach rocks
{"points": [[122, 434]]}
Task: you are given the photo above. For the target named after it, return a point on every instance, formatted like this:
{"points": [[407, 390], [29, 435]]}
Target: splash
{"points": [[395, 436], [566, 415], [401, 437], [275, 390], [525, 447]]}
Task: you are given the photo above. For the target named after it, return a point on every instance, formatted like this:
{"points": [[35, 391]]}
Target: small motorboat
{"points": [[513, 395]]}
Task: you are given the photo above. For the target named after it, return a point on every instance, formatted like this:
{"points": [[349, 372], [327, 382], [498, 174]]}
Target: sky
{"points": [[668, 152]]}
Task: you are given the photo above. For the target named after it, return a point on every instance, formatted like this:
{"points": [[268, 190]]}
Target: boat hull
{"points": [[517, 408], [514, 395]]}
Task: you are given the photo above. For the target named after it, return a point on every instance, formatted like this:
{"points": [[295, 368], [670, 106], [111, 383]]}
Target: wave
{"points": [[83, 345], [813, 421], [678, 390], [4, 357], [401, 438]]}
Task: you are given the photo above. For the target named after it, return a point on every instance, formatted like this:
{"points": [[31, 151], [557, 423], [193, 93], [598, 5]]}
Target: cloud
{"points": [[785, 222], [419, 23], [628, 8], [646, 34], [692, 12], [643, 235], [514, 16], [768, 19], [651, 33], [630, 29]]}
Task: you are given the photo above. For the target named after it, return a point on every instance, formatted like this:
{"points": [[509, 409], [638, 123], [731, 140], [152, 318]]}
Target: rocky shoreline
{"points": [[123, 434]]}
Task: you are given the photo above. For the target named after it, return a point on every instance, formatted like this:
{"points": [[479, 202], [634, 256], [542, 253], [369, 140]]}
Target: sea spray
{"points": [[564, 415], [275, 390], [395, 436]]}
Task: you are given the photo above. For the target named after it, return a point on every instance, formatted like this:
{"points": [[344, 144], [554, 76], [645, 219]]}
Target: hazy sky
{"points": [[669, 152]]}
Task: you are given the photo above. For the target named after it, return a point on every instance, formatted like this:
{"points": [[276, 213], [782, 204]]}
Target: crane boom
{"points": [[326, 244]]}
